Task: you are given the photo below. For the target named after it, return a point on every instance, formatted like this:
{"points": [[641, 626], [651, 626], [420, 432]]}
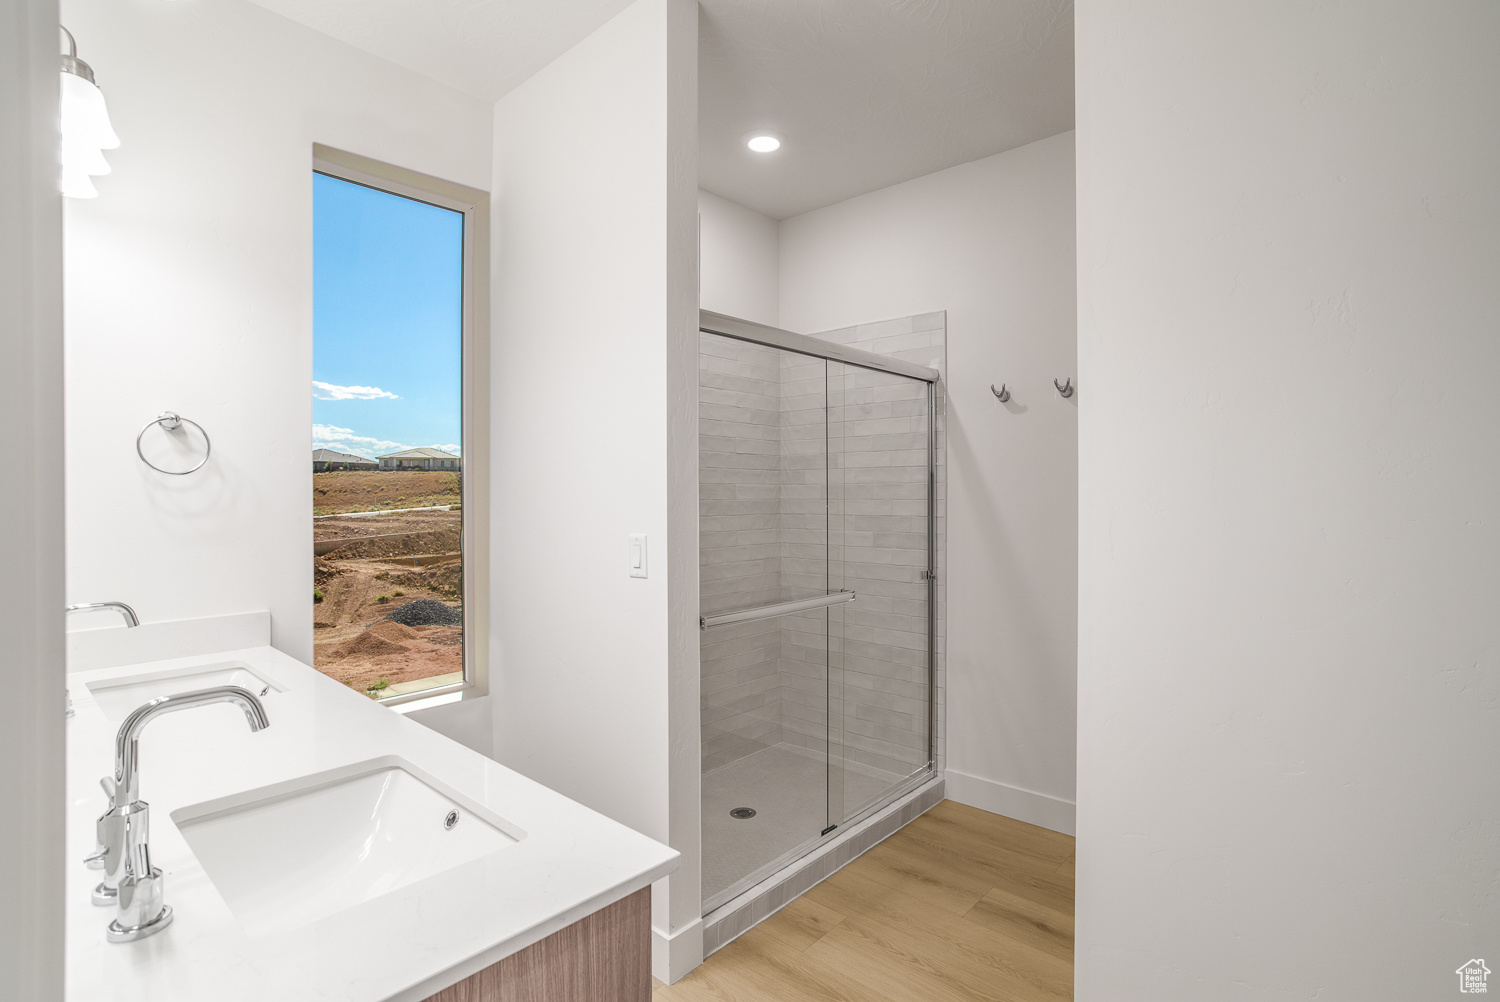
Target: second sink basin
{"points": [[291, 854]]}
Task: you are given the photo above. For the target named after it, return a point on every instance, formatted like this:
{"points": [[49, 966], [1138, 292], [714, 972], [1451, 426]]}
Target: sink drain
{"points": [[450, 821], [742, 813]]}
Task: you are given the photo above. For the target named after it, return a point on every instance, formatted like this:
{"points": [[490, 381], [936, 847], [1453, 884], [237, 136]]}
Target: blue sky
{"points": [[387, 321]]}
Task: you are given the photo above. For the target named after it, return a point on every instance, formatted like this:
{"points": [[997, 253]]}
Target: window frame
{"points": [[474, 204]]}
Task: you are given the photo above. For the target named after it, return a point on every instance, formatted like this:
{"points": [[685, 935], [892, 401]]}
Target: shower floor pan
{"points": [[786, 786]]}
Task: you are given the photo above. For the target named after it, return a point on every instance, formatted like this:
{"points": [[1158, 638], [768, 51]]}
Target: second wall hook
{"points": [[1065, 388], [1002, 394]]}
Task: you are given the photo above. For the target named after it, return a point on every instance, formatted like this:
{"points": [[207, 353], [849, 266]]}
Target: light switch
{"points": [[637, 554]]}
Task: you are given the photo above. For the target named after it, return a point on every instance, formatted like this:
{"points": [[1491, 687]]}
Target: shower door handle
{"points": [[772, 611]]}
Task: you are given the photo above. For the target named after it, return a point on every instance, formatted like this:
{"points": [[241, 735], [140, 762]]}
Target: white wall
{"points": [[1289, 246], [31, 525], [190, 288], [595, 296], [470, 722], [992, 243], [740, 260]]}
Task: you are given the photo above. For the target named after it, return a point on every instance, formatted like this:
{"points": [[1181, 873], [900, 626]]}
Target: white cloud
{"points": [[328, 391], [327, 436]]}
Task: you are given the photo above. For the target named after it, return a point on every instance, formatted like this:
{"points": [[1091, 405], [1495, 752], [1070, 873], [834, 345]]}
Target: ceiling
{"points": [[481, 47], [867, 93]]}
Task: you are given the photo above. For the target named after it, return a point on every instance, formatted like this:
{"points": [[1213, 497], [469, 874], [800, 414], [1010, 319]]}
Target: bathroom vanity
{"points": [[344, 852]]}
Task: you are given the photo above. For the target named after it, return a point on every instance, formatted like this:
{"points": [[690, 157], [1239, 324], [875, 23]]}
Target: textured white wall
{"points": [[740, 272], [595, 295], [190, 288], [991, 242], [31, 525], [1289, 664]]}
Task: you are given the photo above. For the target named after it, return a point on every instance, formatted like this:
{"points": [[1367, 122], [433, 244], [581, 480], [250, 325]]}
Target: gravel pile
{"points": [[427, 612]]}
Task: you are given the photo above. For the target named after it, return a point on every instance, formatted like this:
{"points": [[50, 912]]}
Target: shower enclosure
{"points": [[817, 496]]}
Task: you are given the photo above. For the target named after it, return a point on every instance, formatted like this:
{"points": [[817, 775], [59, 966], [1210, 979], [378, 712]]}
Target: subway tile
{"points": [[929, 322], [896, 344], [885, 328]]}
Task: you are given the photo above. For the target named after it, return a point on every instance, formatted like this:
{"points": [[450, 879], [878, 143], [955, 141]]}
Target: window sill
{"points": [[428, 702], [424, 699]]}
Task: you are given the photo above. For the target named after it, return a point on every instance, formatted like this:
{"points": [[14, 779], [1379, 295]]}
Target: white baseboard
{"points": [[1034, 808], [116, 646], [672, 957]]}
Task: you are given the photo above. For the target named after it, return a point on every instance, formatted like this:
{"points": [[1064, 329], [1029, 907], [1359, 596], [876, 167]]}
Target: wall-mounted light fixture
{"points": [[86, 132]]}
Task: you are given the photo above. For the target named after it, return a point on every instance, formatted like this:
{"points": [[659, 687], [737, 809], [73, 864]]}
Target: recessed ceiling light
{"points": [[762, 141]]}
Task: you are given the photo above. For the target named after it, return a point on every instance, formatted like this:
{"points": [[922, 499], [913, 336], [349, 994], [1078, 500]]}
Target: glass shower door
{"points": [[880, 488], [765, 639], [815, 551]]}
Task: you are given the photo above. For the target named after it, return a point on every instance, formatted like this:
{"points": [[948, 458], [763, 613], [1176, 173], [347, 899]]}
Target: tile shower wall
{"points": [[805, 550], [766, 466], [739, 476]]}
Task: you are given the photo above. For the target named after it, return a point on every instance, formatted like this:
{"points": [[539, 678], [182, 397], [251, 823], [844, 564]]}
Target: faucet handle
{"points": [[95, 859], [117, 831]]}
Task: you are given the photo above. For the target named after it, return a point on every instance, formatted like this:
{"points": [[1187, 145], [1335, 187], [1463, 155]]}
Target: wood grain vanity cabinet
{"points": [[605, 957]]}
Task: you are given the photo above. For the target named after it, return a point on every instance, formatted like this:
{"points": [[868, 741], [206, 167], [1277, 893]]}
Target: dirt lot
{"points": [[388, 561], [356, 490]]}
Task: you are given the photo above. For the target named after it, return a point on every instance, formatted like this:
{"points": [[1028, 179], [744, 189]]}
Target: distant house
{"points": [[326, 459], [420, 459]]}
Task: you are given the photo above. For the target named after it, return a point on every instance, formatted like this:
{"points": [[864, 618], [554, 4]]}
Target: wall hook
{"points": [[1002, 394], [1065, 388]]}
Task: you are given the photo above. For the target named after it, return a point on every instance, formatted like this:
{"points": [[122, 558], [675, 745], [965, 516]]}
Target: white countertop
{"points": [[403, 946]]}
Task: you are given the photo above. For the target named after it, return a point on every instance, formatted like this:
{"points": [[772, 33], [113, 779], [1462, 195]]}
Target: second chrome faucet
{"points": [[130, 882]]}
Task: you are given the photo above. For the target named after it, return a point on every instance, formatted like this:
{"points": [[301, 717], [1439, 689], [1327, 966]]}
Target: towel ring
{"points": [[171, 422]]}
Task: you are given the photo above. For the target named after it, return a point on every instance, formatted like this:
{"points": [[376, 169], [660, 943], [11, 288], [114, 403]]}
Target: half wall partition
{"points": [[817, 514]]}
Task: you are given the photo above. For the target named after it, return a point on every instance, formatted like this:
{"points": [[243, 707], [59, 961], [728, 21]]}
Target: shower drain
{"points": [[742, 813]]}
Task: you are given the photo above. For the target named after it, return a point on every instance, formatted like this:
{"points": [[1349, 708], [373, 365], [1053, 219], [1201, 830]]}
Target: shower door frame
{"points": [[774, 337]]}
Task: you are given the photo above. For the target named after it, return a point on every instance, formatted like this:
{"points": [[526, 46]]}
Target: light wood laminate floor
{"points": [[958, 905]]}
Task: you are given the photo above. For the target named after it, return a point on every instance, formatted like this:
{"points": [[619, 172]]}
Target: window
{"points": [[399, 430]]}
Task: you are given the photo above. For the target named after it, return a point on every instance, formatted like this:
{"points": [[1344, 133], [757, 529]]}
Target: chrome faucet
{"points": [[130, 882], [131, 619]]}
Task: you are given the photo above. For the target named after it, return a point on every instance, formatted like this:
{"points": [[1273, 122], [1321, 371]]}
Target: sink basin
{"points": [[118, 697], [288, 855]]}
